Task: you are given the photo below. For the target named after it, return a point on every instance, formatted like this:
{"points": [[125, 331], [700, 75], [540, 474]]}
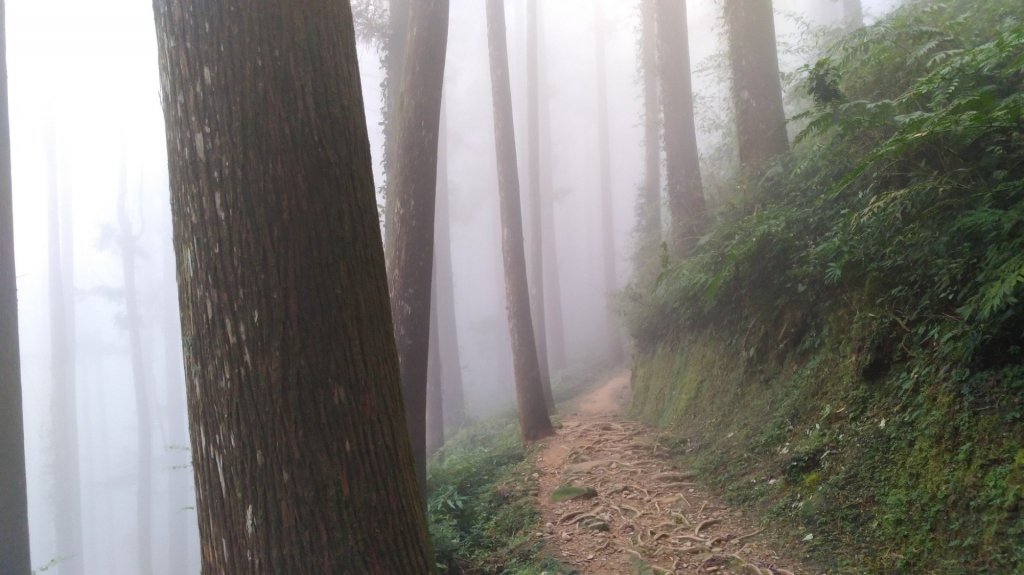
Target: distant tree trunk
{"points": [[756, 86], [650, 201], [444, 289], [394, 64], [413, 196], [67, 497], [301, 452], [685, 191], [534, 422], [127, 244], [14, 545], [536, 275], [853, 14], [607, 222], [435, 384]]}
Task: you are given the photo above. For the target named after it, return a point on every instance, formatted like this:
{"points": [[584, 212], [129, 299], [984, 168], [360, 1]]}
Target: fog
{"points": [[87, 129]]}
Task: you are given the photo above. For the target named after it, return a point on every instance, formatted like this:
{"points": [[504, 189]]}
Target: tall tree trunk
{"points": [[534, 422], [413, 195], [685, 191], [178, 500], [14, 545], [444, 289], [605, 159], [853, 14], [299, 439], [649, 207], [127, 242], [536, 275], [756, 86], [394, 65], [435, 383], [67, 497]]}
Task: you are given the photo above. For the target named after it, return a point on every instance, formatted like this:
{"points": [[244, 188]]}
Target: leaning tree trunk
{"points": [[413, 193], [605, 159], [128, 244], [649, 208], [537, 230], [682, 163], [756, 85], [534, 422], [301, 452], [14, 547]]}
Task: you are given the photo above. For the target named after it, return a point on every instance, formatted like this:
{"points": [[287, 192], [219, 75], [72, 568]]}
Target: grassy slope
{"points": [[847, 355]]}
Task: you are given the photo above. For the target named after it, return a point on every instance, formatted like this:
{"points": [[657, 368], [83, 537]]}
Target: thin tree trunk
{"points": [[435, 384], [650, 200], [14, 544], [534, 422], [536, 275], [302, 457], [143, 416], [67, 497], [756, 85], [615, 352], [413, 196], [685, 191], [853, 14], [444, 284]]}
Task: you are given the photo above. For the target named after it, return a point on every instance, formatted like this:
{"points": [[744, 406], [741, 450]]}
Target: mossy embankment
{"points": [[844, 351]]}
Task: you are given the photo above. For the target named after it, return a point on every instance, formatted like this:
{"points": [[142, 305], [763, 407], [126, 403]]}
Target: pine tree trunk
{"points": [[14, 545], [394, 65], [435, 385], [756, 85], [615, 352], [685, 191], [650, 200], [143, 416], [67, 495], [444, 284], [178, 497], [536, 275], [534, 422], [302, 457], [413, 195]]}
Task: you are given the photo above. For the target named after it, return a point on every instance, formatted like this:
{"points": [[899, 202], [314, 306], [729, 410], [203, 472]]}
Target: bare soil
{"points": [[648, 516]]}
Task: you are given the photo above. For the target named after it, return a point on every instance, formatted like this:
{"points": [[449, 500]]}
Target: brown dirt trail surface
{"points": [[648, 516]]}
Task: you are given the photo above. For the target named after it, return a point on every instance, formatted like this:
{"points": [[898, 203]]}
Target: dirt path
{"points": [[647, 516]]}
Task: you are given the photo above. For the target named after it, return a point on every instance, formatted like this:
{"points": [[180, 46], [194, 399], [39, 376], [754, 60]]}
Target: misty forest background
{"points": [[857, 293]]}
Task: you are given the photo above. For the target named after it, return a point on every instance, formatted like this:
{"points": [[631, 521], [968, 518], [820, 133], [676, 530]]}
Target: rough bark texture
{"points": [[67, 492], [412, 194], [301, 453], [435, 385], [682, 163], [853, 14], [756, 86], [536, 275], [14, 546], [615, 352], [650, 201], [444, 286], [534, 422], [394, 65], [127, 244]]}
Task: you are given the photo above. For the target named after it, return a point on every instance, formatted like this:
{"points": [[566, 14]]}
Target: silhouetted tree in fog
{"points": [[412, 194], [435, 384], [14, 545], [536, 272], [756, 86], [301, 453], [682, 163], [534, 422], [393, 68], [649, 207]]}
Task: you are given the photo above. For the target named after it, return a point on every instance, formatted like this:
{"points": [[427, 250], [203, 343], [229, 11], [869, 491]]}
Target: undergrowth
{"points": [[845, 347]]}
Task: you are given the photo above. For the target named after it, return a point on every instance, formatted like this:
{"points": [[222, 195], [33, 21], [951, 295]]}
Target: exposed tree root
{"points": [[703, 524]]}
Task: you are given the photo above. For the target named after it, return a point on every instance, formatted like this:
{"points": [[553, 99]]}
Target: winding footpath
{"points": [[647, 516]]}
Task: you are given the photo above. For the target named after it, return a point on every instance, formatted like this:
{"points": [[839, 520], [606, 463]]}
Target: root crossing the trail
{"points": [[647, 516]]}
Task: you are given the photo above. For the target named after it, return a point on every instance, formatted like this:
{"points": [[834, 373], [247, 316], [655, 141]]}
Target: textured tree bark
{"points": [[534, 422], [302, 457], [536, 273], [444, 286], [615, 352], [756, 86], [67, 492], [143, 417], [682, 163], [853, 14], [650, 200], [14, 545], [179, 498], [413, 196]]}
